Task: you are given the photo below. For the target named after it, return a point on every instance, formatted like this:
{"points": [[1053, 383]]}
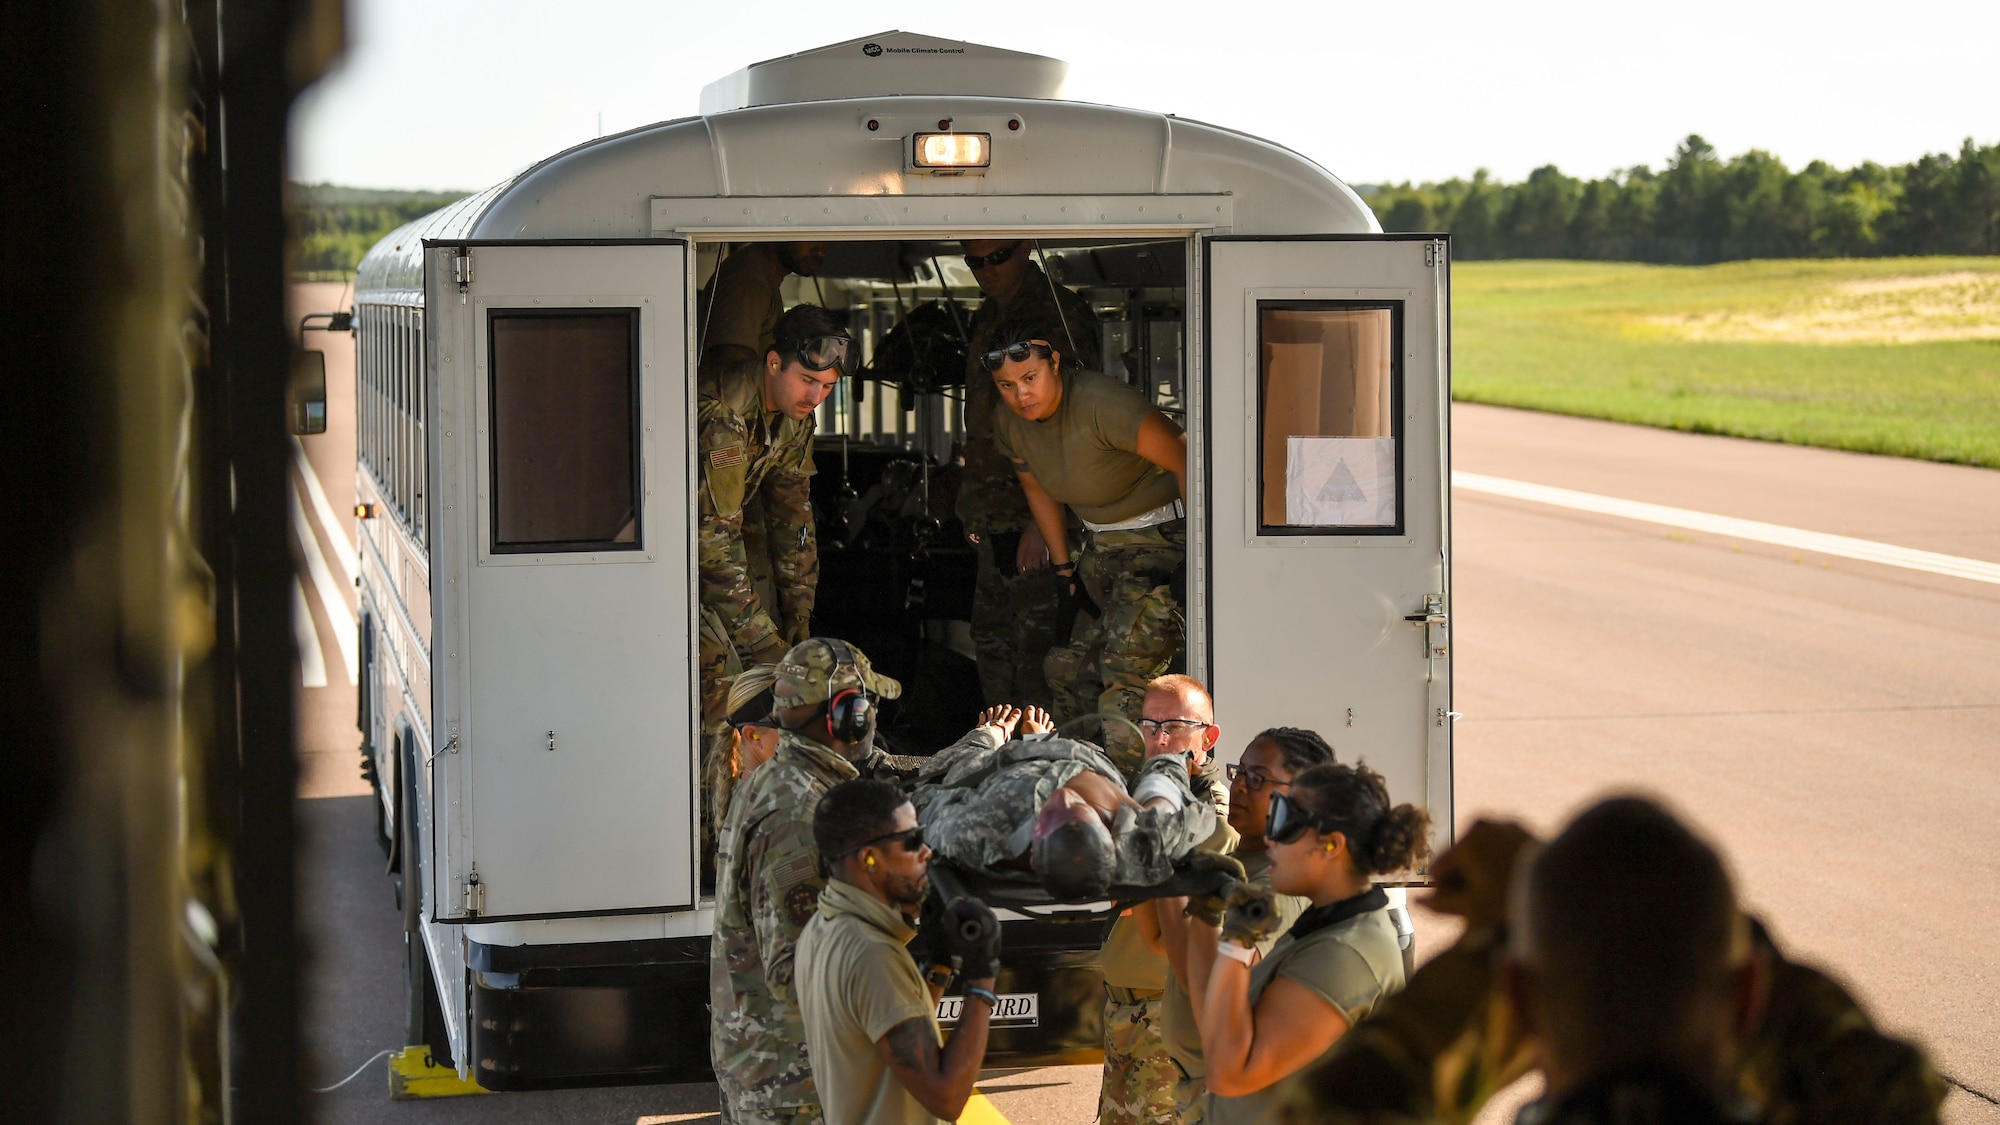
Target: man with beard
{"points": [[870, 1020], [737, 312]]}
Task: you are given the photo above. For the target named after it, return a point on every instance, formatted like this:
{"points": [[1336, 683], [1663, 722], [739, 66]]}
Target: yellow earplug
{"points": [[869, 860]]}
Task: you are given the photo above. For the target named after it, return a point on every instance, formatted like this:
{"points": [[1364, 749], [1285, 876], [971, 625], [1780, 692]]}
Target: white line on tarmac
{"points": [[1866, 550], [337, 610], [323, 511], [312, 659]]}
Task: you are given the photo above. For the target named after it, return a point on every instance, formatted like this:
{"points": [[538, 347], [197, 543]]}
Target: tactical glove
{"points": [[932, 946], [973, 934], [1217, 874], [1251, 915], [799, 629], [1071, 598]]}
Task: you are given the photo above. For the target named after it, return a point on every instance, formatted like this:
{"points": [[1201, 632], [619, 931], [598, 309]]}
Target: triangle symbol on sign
{"points": [[1341, 487]]}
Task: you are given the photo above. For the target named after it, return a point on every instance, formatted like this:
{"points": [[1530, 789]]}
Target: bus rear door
{"points": [[564, 776], [1328, 545]]}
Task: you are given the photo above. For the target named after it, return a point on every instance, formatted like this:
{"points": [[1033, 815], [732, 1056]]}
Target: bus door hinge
{"points": [[461, 269], [1433, 253], [473, 894]]}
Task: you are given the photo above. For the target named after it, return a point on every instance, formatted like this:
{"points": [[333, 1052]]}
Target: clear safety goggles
{"points": [[823, 353]]}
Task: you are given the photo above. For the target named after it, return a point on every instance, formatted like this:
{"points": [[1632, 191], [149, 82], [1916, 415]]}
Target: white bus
{"points": [[529, 703]]}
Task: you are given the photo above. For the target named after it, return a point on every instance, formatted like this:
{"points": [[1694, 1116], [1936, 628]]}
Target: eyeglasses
{"points": [[1289, 821], [911, 839], [1151, 727], [1015, 353], [1252, 779], [822, 353], [998, 257]]}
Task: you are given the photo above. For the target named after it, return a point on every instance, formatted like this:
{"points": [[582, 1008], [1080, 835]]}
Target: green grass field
{"points": [[1886, 355]]}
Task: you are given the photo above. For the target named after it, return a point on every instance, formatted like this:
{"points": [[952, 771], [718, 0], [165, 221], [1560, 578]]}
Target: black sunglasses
{"points": [[1252, 780], [1015, 353], [823, 353], [910, 839], [998, 257], [1289, 821]]}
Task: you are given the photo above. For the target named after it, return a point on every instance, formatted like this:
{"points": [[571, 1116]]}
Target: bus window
{"points": [[1328, 402], [565, 415]]}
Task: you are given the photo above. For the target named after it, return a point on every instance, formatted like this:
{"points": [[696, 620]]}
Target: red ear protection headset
{"points": [[850, 711]]}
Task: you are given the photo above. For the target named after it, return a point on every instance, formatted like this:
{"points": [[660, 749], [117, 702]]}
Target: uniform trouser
{"points": [[1013, 629], [1190, 1097], [734, 1112], [718, 662], [1138, 1076], [1110, 659]]}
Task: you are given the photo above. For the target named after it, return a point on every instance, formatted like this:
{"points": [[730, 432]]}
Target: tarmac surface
{"points": [[1829, 722]]}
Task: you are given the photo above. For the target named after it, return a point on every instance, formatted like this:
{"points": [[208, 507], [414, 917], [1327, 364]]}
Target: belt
{"points": [[1132, 995], [1166, 513]]}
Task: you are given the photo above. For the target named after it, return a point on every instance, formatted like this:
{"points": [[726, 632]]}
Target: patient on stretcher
{"points": [[1057, 808]]}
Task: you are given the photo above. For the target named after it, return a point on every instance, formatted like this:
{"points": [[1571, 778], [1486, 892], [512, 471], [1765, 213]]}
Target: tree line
{"points": [[332, 227], [1702, 208]]}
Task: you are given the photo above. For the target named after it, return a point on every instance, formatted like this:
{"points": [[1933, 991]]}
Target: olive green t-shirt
{"points": [[855, 982], [1177, 1025], [1087, 454], [1351, 965]]}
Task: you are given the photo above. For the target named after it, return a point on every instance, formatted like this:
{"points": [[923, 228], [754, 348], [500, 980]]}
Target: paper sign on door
{"points": [[1340, 482]]}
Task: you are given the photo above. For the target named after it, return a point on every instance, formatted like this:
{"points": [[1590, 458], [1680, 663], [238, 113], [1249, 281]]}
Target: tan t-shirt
{"points": [[743, 301], [1351, 965], [1087, 454], [1177, 1025], [855, 982]]}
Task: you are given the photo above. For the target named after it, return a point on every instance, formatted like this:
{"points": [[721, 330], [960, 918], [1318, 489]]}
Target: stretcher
{"points": [[1199, 874]]}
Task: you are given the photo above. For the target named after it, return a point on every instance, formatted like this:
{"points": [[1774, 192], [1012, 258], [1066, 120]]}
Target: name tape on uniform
{"points": [[1017, 1009]]}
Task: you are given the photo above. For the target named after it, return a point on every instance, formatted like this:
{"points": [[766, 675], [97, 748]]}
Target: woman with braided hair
{"points": [[1264, 1019]]}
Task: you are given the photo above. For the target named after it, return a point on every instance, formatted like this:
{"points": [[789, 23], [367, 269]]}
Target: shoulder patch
{"points": [[728, 457], [795, 869], [800, 902]]}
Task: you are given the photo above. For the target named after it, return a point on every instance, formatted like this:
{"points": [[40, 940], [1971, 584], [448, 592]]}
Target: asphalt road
{"points": [[1828, 721]]}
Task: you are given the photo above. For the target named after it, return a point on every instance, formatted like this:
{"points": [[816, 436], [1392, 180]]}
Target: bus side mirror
{"points": [[307, 394]]}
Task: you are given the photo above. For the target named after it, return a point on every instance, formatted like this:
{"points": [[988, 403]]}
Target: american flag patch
{"points": [[727, 457]]}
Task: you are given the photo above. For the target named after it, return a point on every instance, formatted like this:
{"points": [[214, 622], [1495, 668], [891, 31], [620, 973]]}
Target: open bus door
{"points": [[565, 731], [1328, 545]]}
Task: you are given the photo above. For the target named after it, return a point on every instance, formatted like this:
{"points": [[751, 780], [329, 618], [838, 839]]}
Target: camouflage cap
{"points": [[814, 671]]}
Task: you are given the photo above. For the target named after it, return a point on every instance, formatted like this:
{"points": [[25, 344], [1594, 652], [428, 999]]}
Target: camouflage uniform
{"points": [[756, 519], [1140, 1078], [750, 454], [1440, 1049], [1013, 615], [978, 798], [1110, 659], [766, 889]]}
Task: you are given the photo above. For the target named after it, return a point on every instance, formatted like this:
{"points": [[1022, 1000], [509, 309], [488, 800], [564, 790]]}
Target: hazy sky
{"points": [[456, 94]]}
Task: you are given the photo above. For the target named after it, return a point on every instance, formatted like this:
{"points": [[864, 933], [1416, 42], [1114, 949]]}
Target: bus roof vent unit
{"points": [[884, 65]]}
